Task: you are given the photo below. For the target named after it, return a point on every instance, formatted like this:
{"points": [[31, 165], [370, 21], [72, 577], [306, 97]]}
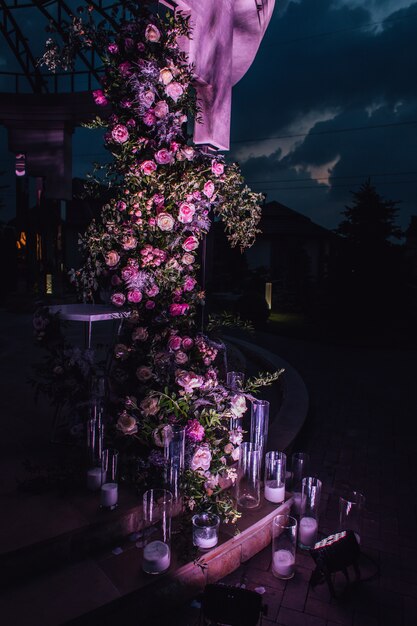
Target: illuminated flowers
{"points": [[178, 309], [165, 221], [186, 213], [194, 430], [191, 243], [147, 167], [120, 134], [152, 33], [217, 168], [99, 98], [201, 459], [127, 424], [112, 258], [238, 405], [174, 90], [118, 299], [163, 157], [161, 109]]}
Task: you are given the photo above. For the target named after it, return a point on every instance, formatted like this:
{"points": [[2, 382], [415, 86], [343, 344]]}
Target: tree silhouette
{"points": [[369, 284], [370, 221]]}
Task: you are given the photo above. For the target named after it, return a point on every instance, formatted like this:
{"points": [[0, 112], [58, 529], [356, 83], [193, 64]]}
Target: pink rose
{"points": [[189, 380], [191, 243], [120, 133], [161, 109], [189, 283], [180, 357], [140, 334], [159, 199], [152, 291], [174, 342], [217, 168], [174, 90], [194, 430], [178, 309], [163, 156], [186, 213], [121, 205], [134, 296], [165, 76], [238, 405], [187, 259], [144, 373], [127, 424], [99, 98], [128, 273], [150, 405], [147, 98], [118, 299], [147, 167], [113, 48], [150, 304], [129, 242], [125, 69], [165, 221], [187, 343], [208, 189], [112, 258], [149, 118], [152, 33]]}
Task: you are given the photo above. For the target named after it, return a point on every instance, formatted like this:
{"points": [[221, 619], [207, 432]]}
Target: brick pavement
{"points": [[359, 435]]}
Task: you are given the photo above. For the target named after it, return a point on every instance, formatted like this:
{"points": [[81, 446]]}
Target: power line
{"points": [[327, 132], [386, 182], [317, 178], [340, 30]]}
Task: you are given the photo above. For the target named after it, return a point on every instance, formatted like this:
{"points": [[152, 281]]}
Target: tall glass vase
{"points": [[94, 452], [259, 423], [175, 455]]}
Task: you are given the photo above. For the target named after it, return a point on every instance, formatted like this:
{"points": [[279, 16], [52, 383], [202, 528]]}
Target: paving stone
{"points": [[289, 617]]}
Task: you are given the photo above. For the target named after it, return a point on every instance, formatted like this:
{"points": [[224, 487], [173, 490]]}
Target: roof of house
{"points": [[278, 219]]}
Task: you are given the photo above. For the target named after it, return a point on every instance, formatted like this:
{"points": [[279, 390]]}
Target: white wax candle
{"points": [[156, 557], [307, 533], [94, 478], [274, 491], [297, 502], [109, 494], [205, 542], [283, 564]]}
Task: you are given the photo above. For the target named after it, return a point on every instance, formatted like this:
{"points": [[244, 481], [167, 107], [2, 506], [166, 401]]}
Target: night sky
{"points": [[330, 99]]}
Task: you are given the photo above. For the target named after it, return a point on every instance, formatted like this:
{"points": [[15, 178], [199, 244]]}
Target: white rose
{"points": [[238, 405], [201, 459]]}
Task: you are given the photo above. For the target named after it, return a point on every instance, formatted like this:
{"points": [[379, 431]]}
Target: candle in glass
{"points": [[310, 504], [157, 511], [274, 488], [205, 530], [109, 493], [284, 542]]}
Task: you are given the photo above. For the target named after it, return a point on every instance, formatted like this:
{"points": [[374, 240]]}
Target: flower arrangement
{"points": [[164, 193]]}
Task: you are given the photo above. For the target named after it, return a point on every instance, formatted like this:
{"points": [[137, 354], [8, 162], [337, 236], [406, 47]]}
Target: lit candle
{"points": [[109, 495], [205, 541], [156, 557], [274, 491], [283, 564], [94, 478], [307, 531]]}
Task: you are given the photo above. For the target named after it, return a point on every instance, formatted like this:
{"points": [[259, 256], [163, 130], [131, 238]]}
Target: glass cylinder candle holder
{"points": [[175, 452], [235, 380], [205, 530], [94, 453], [309, 516], [248, 493], [299, 468], [275, 474], [259, 423], [351, 505], [284, 544], [109, 493], [157, 513]]}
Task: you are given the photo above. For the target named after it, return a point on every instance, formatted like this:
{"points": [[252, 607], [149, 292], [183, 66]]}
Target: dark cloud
{"points": [[324, 56]]}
